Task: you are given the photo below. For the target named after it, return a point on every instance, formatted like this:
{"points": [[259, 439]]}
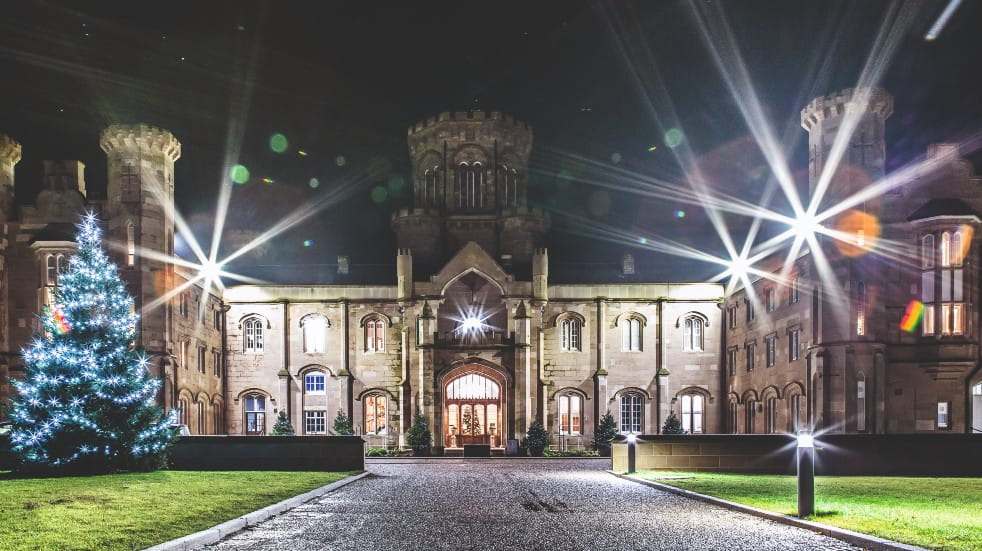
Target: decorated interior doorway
{"points": [[473, 410]]}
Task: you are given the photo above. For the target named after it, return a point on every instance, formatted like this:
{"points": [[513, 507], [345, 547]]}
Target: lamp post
{"points": [[806, 474], [632, 441]]}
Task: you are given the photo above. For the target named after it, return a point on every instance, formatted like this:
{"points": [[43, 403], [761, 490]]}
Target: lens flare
{"points": [[278, 143], [340, 160], [680, 214], [308, 243], [858, 233], [314, 183], [912, 317], [379, 194], [673, 138], [239, 174]]}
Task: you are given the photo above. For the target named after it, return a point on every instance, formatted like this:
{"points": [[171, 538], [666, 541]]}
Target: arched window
{"points": [[794, 413], [470, 186], [734, 424], [184, 411], [632, 409], [570, 329], [217, 418], [314, 334], [692, 333], [509, 186], [375, 335], [751, 420], [771, 415], [692, 413], [375, 419], [945, 249], [631, 333], [200, 407], [253, 334], [255, 414], [860, 402], [570, 413], [314, 382], [431, 179], [51, 271], [130, 244], [927, 251]]}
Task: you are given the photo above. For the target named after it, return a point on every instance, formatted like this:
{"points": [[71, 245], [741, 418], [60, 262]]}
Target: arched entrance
{"points": [[473, 407]]}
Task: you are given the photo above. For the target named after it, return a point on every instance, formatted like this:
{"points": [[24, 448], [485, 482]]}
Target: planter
{"points": [[604, 451], [421, 452], [536, 452]]}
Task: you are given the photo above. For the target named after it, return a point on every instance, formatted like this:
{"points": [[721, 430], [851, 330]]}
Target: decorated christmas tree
{"points": [[87, 401]]}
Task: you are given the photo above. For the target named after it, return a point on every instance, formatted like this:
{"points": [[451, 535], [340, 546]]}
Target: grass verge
{"points": [[938, 513], [136, 510]]}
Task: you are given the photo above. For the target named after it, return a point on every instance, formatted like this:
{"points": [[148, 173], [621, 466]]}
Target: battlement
{"points": [[9, 150], [835, 105], [469, 117], [404, 252], [123, 137], [409, 213]]}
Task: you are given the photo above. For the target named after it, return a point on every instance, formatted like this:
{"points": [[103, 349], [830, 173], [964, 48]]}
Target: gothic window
{"points": [[253, 333], [431, 179], [130, 244], [927, 251], [751, 350], [860, 402], [570, 408], [692, 413], [217, 418], [314, 334], [255, 413], [631, 333], [948, 309], [374, 335], [794, 413], [314, 382], [861, 309], [794, 344], [692, 329], [632, 407], [375, 419], [570, 333], [470, 186], [771, 415], [770, 345], [734, 425], [751, 416], [200, 410], [315, 422], [509, 186]]}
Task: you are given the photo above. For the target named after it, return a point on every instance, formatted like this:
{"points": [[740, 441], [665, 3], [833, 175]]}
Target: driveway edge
{"points": [[857, 538], [211, 535]]}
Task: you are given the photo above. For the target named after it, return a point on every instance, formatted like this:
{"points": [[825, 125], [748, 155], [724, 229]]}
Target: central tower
{"points": [[469, 175]]}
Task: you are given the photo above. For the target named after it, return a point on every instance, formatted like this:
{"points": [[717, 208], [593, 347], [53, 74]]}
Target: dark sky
{"points": [[347, 79]]}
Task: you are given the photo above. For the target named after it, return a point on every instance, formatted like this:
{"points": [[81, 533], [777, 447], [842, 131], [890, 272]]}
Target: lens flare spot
{"points": [[966, 242], [379, 194], [858, 233], [308, 243], [673, 138], [615, 158], [340, 160], [268, 180], [643, 240], [912, 317], [314, 183], [278, 143], [396, 182], [652, 148], [239, 174], [680, 214], [302, 153]]}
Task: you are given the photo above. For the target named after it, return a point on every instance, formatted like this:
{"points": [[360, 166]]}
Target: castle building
{"points": [[853, 356], [479, 336]]}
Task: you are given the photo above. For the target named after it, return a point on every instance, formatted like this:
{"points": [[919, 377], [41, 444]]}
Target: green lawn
{"points": [[136, 510], [939, 513]]}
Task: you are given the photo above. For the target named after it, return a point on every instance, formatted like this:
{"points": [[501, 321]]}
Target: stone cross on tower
{"points": [[862, 145]]}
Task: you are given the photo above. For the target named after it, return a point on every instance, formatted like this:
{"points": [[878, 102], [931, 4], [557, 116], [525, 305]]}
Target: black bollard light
{"points": [[806, 474], [632, 444]]}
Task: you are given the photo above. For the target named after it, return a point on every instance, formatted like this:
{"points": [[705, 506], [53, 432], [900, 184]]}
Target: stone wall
{"points": [[302, 453]]}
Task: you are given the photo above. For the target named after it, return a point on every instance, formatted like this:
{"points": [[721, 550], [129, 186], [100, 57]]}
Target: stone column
{"points": [[524, 380], [600, 374]]}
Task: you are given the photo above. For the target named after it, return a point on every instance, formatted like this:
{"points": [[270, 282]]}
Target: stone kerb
{"points": [[315, 453]]}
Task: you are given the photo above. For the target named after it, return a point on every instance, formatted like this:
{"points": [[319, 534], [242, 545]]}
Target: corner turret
{"points": [[10, 151]]}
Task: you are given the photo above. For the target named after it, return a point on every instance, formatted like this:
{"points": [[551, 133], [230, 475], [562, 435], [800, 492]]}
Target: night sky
{"points": [[343, 82]]}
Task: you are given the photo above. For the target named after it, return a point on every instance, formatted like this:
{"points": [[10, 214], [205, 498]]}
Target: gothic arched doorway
{"points": [[473, 407]]}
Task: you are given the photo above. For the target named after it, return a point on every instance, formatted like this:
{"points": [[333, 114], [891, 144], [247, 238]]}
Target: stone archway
{"points": [[474, 406]]}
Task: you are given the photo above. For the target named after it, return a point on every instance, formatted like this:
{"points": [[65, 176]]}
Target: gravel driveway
{"points": [[512, 504]]}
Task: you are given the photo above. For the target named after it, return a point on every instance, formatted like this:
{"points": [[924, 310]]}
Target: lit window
{"points": [[130, 244], [943, 415], [977, 390], [692, 333], [631, 333], [770, 345], [570, 406], [631, 413], [470, 186], [570, 330], [313, 383], [314, 334], [431, 180], [861, 309], [253, 328], [55, 265], [692, 413], [255, 411], [375, 419], [375, 335], [315, 422]]}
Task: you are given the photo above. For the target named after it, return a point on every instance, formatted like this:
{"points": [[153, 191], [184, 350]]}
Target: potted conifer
{"points": [[536, 438], [418, 436], [606, 431]]}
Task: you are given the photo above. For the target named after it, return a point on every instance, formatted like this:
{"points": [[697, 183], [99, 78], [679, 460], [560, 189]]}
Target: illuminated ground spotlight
{"points": [[806, 474]]}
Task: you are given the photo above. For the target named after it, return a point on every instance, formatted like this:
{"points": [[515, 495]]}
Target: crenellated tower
{"points": [[9, 156], [139, 215], [864, 111], [469, 176]]}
